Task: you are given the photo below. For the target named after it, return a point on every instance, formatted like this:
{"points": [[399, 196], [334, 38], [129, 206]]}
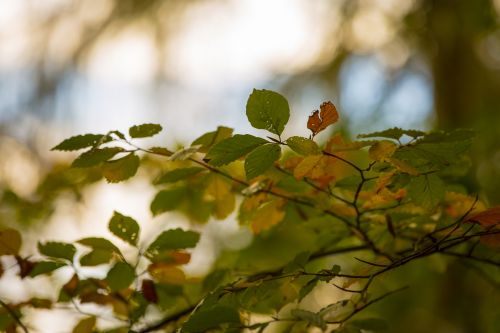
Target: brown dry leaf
{"points": [[70, 286], [97, 298], [313, 122], [319, 120], [149, 291], [488, 219], [25, 266]]}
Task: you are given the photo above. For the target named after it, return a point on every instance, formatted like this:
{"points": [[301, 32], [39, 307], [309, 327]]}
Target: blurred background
{"points": [[69, 67]]}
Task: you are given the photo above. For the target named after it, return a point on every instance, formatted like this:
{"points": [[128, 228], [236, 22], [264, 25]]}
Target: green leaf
{"points": [[144, 130], [167, 200], [121, 169], [57, 250], [175, 175], [85, 325], [45, 267], [393, 133], [125, 228], [96, 257], [120, 276], [213, 317], [160, 151], [303, 146], [261, 159], [298, 263], [311, 317], [98, 243], [426, 190], [207, 140], [307, 288], [230, 149], [174, 239], [453, 136], [95, 157], [370, 324], [268, 110], [119, 134], [81, 141], [10, 241]]}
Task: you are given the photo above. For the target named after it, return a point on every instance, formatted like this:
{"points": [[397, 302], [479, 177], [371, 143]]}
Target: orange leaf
{"points": [[306, 165], [319, 120], [328, 114], [487, 218], [314, 122], [165, 273], [180, 257], [267, 216]]}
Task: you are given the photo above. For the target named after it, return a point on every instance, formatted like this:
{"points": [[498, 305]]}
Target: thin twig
{"points": [[14, 316]]}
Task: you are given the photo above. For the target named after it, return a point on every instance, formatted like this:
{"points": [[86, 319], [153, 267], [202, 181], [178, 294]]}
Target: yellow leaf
{"points": [[267, 216], [383, 180], [219, 192], [165, 273], [383, 198], [457, 204], [382, 150], [343, 209], [306, 165], [253, 202]]}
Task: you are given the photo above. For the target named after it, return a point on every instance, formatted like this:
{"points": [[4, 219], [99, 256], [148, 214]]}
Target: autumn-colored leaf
{"points": [[180, 257], [149, 291], [267, 216], [10, 241], [458, 204], [306, 165], [70, 286], [382, 150], [319, 120], [487, 218], [219, 192], [25, 266], [165, 273]]}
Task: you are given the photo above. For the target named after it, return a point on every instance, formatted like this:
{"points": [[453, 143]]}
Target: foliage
{"points": [[382, 203]]}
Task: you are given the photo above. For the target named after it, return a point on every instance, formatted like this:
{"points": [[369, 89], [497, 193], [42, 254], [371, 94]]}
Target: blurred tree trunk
{"points": [[466, 90]]}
